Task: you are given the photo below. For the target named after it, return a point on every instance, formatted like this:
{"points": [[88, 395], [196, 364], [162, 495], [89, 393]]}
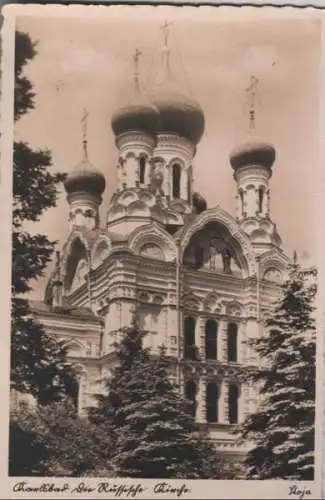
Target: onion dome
{"points": [[85, 177], [137, 116], [261, 154], [179, 114]]}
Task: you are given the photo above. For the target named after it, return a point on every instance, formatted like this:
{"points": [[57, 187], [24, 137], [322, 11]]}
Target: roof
{"points": [[83, 313]]}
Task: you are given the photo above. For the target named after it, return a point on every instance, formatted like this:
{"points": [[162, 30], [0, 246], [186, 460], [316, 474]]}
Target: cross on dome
{"points": [[252, 93], [165, 107], [136, 58], [84, 123], [85, 177], [166, 50]]}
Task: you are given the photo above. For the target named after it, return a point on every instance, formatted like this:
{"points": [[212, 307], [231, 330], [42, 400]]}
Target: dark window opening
{"points": [[233, 404], [241, 194], [176, 181], [211, 329], [142, 165], [260, 199], [190, 394], [232, 341], [212, 399], [189, 338]]}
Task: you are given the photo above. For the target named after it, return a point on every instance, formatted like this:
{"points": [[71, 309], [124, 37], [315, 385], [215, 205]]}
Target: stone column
{"points": [[223, 402], [242, 345], [184, 185], [244, 406], [220, 341], [200, 336], [223, 340], [201, 394]]}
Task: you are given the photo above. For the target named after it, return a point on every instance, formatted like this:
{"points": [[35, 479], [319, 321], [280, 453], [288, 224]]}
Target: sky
{"points": [[86, 61]]}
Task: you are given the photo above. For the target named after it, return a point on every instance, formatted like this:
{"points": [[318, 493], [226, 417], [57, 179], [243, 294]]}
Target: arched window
{"points": [[232, 341], [260, 199], [233, 404], [142, 167], [189, 338], [211, 331], [176, 180], [212, 400], [190, 394]]}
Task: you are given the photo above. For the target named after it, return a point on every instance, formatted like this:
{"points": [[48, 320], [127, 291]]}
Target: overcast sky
{"points": [[87, 62]]}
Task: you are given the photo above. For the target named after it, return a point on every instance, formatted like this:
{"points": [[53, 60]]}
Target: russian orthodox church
{"points": [[198, 277]]}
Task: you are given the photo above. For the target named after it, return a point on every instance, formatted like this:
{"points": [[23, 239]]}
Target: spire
{"points": [[165, 53], [84, 122], [136, 57], [252, 93]]}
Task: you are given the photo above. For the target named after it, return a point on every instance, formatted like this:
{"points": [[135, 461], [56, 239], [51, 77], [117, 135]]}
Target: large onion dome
{"points": [[85, 177], [258, 153], [139, 115], [179, 113]]}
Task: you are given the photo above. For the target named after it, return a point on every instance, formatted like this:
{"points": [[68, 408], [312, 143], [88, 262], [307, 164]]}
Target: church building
{"points": [[198, 277]]}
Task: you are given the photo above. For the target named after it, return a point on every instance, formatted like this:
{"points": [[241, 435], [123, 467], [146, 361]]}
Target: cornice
{"points": [[169, 144], [71, 323], [135, 139]]}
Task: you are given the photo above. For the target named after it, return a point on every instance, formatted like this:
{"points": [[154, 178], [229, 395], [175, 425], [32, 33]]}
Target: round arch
{"points": [[153, 234], [75, 348], [100, 251], [232, 233], [273, 260], [76, 250]]}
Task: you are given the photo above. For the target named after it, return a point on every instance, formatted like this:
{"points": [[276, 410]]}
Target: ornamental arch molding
{"points": [[153, 235], [76, 249], [75, 348], [273, 260], [233, 233], [212, 303], [101, 249], [174, 161]]}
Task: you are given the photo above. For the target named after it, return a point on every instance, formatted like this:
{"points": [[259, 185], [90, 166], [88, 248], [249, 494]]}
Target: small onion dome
{"points": [[85, 178], [253, 154], [199, 203], [138, 116], [179, 114]]}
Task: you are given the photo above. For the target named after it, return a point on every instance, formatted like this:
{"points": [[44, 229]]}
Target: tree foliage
{"points": [[282, 428], [154, 433], [37, 361], [52, 441]]}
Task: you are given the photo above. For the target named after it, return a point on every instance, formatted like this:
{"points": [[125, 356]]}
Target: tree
{"points": [[154, 433], [282, 428], [38, 363], [52, 441]]}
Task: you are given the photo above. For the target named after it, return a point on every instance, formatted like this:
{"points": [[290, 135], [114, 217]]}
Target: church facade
{"points": [[199, 278]]}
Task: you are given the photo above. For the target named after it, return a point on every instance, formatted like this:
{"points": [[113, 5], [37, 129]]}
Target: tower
{"points": [[135, 127], [84, 186], [181, 127], [252, 163]]}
